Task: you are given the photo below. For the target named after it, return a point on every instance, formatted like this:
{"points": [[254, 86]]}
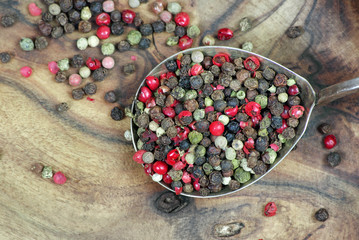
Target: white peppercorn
{"points": [[237, 144], [221, 142], [85, 72], [82, 43], [197, 56], [223, 119], [153, 126], [86, 13], [93, 41]]}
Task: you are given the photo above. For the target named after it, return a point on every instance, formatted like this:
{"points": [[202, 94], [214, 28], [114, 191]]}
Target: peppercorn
{"points": [[129, 68], [219, 105], [77, 61], [90, 88], [144, 43], [99, 74], [276, 108], [321, 215], [26, 44], [47, 172], [96, 7], [295, 31], [78, 93], [204, 192], [245, 24], [5, 57], [134, 37], [170, 27], [110, 97], [158, 26], [47, 17], [60, 77], [57, 32], [334, 159], [117, 28], [247, 46], [116, 16], [292, 122], [8, 20], [137, 21], [193, 31], [40, 43], [45, 28], [180, 31], [62, 19], [117, 114], [69, 28], [325, 128], [62, 107], [293, 101]]}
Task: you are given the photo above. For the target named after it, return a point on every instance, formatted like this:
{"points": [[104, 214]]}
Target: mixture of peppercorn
{"points": [[211, 123]]}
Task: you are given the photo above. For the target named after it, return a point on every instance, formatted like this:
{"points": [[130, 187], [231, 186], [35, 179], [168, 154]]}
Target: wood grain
{"points": [[107, 195]]}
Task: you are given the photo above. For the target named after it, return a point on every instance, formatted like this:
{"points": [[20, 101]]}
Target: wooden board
{"points": [[107, 196]]}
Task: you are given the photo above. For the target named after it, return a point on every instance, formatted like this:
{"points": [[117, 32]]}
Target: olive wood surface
{"points": [[107, 195]]}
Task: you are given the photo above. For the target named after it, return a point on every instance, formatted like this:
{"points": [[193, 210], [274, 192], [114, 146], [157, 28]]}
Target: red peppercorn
{"points": [[285, 113], [270, 209], [251, 63], [167, 178], [186, 177], [145, 94], [224, 34], [103, 19], [137, 157], [160, 167], [148, 168], [191, 125], [209, 109], [178, 190], [182, 19], [249, 143], [59, 178], [26, 71], [184, 113], [169, 112], [255, 120], [185, 42], [284, 126], [172, 157], [216, 128], [53, 68], [296, 111], [183, 134], [330, 141], [93, 64], [196, 69], [196, 185], [220, 58], [231, 112], [103, 32], [128, 16], [243, 124], [152, 82], [179, 165], [34, 9], [293, 90], [151, 102], [252, 109], [274, 146]]}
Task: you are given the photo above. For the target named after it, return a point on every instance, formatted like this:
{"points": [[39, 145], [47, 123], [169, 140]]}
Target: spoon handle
{"points": [[339, 90]]}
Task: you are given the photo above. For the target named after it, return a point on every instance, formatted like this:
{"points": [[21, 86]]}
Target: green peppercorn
{"points": [[208, 101], [86, 13], [172, 41], [244, 165], [27, 44], [175, 175], [107, 49], [139, 144], [230, 153], [199, 114], [200, 151], [247, 46], [63, 64], [241, 95], [82, 43], [47, 172], [191, 94], [261, 100], [272, 89], [195, 137], [207, 168], [281, 138], [193, 31], [134, 37], [242, 176], [236, 163], [290, 82], [272, 155], [171, 27], [174, 7], [263, 132], [178, 93], [283, 97], [208, 40], [190, 158]]}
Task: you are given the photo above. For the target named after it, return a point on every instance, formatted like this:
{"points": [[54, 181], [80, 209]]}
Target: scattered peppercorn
{"points": [[144, 43], [5, 57], [110, 97], [334, 159], [325, 128], [8, 20], [41, 43], [99, 74], [123, 46], [90, 88], [295, 31], [322, 215], [129, 68], [78, 93], [62, 107], [117, 114]]}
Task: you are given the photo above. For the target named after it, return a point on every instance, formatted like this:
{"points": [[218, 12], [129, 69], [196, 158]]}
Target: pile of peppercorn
{"points": [[212, 122]]}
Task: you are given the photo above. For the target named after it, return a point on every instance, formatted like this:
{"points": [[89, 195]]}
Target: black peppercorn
{"points": [[184, 82], [263, 86], [268, 73], [117, 114], [261, 144], [143, 120], [325, 128], [226, 165], [166, 123], [197, 171], [204, 191], [66, 5], [79, 4], [196, 82], [5, 57], [146, 29], [234, 185], [233, 127], [40, 43], [123, 46], [334, 159], [85, 26], [219, 105], [99, 74], [77, 61], [129, 68], [116, 16], [215, 70], [90, 88], [62, 107], [260, 168], [110, 97], [96, 7], [164, 140], [295, 31], [176, 184], [180, 31], [74, 16], [215, 177], [158, 26], [48, 2], [57, 32], [47, 17], [60, 77], [61, 19], [322, 215], [214, 160], [137, 21], [69, 28], [171, 65], [117, 28], [144, 43], [230, 137], [8, 20], [45, 28], [200, 161], [232, 102], [78, 93]]}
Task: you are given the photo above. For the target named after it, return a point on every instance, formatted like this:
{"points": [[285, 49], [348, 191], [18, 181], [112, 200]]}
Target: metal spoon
{"points": [[309, 100]]}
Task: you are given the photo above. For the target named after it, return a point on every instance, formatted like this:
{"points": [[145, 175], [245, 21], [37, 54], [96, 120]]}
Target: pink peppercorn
{"points": [[166, 16], [59, 178], [75, 80], [34, 9], [108, 6], [26, 71], [108, 62], [53, 68]]}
